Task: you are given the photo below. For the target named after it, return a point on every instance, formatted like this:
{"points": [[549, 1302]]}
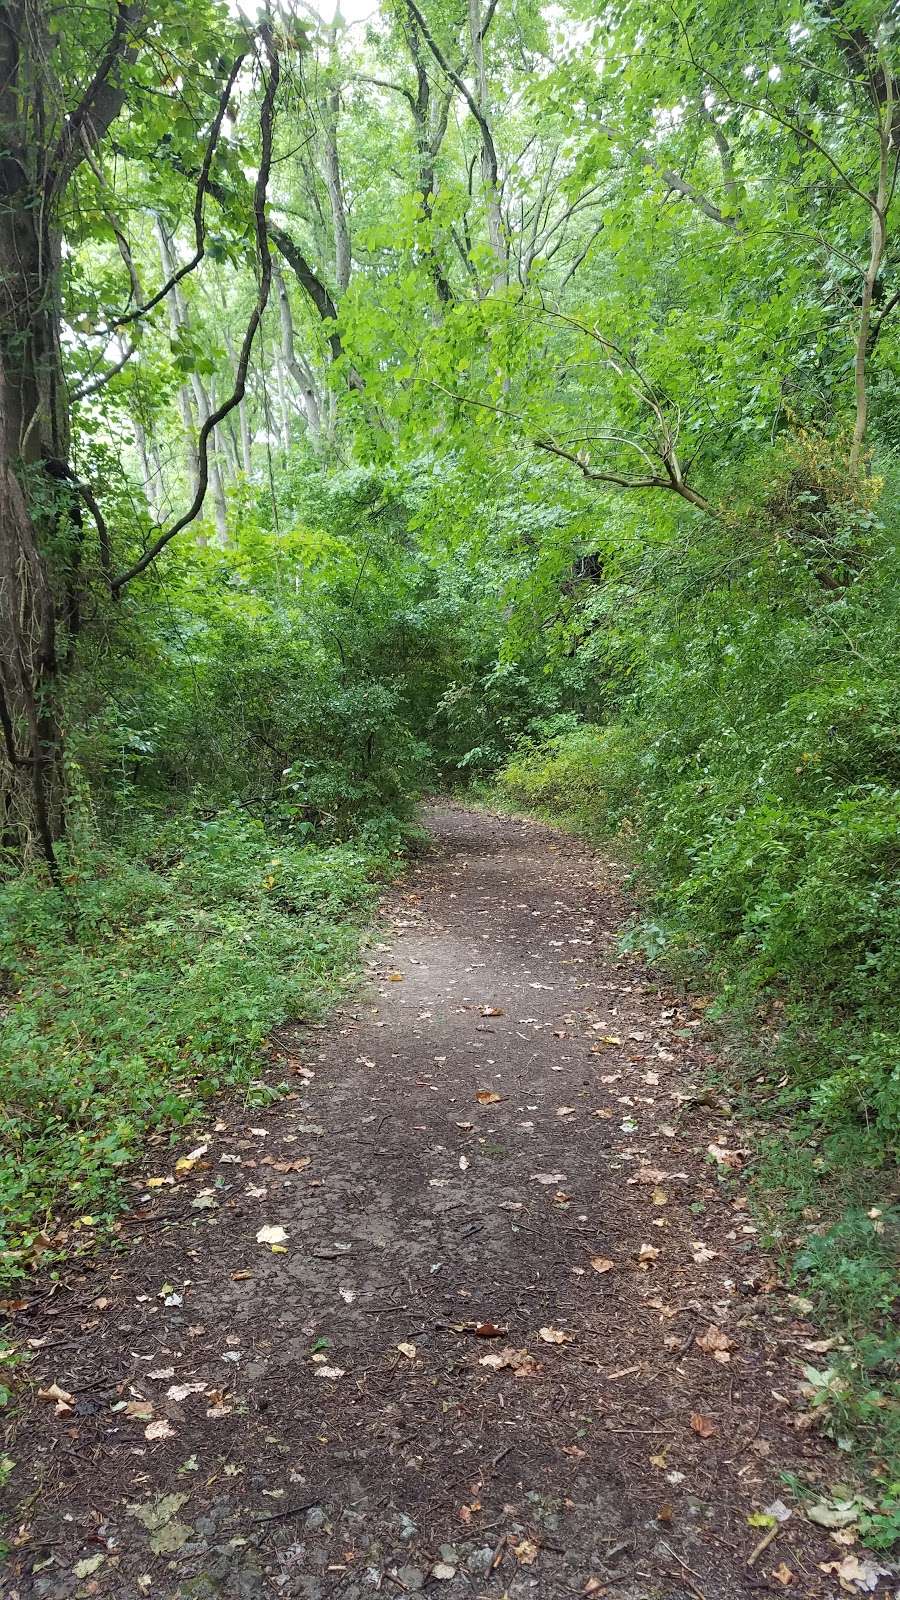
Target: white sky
{"points": [[351, 10]]}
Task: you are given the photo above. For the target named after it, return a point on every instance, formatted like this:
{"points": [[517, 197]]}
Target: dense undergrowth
{"points": [[144, 987], [746, 759]]}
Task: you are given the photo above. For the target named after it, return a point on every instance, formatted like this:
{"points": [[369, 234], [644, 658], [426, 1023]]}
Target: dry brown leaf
{"points": [[730, 1159], [491, 1011], [160, 1429], [716, 1344], [487, 1097], [521, 1363], [526, 1552], [703, 1425], [140, 1410], [783, 1574], [555, 1336], [602, 1264], [646, 1254], [702, 1253], [60, 1397], [406, 1349]]}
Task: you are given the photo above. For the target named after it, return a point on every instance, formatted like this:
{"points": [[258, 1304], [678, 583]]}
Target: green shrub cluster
{"points": [[148, 984], [752, 755]]}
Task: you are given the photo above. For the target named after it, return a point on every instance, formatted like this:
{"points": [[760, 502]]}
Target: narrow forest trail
{"points": [[215, 1444]]}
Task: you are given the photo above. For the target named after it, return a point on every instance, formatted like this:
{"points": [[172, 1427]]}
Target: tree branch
{"points": [[101, 102], [266, 121], [98, 383], [670, 483], [203, 185]]}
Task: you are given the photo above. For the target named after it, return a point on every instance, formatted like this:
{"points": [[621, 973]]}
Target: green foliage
{"points": [[148, 984], [754, 756]]}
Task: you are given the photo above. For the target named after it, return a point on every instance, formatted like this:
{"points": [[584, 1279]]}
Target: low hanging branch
{"points": [[266, 119]]}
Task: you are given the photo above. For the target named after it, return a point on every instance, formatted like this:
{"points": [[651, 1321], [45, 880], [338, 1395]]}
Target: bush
{"points": [[145, 986]]}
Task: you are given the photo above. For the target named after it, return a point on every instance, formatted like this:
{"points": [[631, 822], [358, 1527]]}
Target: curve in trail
{"points": [[493, 1137]]}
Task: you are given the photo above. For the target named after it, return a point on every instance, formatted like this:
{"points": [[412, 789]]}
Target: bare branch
{"points": [[99, 383], [620, 481]]}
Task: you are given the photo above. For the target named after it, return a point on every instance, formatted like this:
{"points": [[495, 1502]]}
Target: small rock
{"points": [[315, 1518], [408, 1529], [412, 1578], [480, 1560]]}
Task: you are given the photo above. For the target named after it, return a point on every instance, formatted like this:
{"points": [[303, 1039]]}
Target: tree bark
{"points": [[37, 504]]}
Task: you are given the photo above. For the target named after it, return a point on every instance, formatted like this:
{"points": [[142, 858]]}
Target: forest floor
{"points": [[479, 1309]]}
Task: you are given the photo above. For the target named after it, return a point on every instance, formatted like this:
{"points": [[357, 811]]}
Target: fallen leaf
{"points": [[702, 1253], [602, 1264], [837, 1514], [272, 1234], [331, 1373], [186, 1163], [83, 1569], [491, 1011], [406, 1349], [548, 1177], [716, 1344], [463, 1163], [565, 1111], [647, 1253], [180, 1391], [522, 1364], [488, 1330], [853, 1574], [555, 1336], [730, 1159], [140, 1410], [487, 1097], [160, 1429], [526, 1552], [58, 1396], [703, 1425]]}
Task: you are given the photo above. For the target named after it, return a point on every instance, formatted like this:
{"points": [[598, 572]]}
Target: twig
{"points": [[764, 1543]]}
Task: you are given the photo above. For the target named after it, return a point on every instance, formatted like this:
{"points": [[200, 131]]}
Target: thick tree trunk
{"points": [[36, 502]]}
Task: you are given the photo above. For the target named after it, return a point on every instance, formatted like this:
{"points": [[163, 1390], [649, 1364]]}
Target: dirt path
{"points": [[327, 1418]]}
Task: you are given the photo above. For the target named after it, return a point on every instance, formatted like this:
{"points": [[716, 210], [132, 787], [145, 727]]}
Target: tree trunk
{"points": [[36, 502]]}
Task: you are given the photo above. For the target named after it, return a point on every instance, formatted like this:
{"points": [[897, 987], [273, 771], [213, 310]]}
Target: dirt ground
{"points": [[510, 1332]]}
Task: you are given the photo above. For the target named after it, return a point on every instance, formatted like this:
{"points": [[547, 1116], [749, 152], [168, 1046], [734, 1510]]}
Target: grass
{"points": [[144, 988]]}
